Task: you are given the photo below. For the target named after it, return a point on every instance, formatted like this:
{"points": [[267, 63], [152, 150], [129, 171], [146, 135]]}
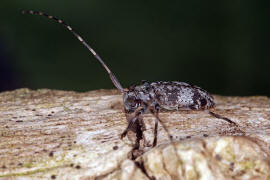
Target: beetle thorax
{"points": [[138, 96]]}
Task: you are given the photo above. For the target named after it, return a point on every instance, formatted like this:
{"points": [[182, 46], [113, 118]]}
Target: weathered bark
{"points": [[69, 135]]}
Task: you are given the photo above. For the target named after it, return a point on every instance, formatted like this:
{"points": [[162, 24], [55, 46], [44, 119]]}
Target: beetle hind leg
{"points": [[221, 117]]}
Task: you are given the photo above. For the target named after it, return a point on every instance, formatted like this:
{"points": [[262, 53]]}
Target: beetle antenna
{"points": [[112, 76]]}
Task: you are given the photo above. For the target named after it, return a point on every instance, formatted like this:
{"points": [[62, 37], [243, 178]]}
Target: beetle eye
{"points": [[130, 101]]}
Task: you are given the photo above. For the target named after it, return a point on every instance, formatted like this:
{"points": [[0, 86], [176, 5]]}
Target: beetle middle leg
{"points": [[155, 112]]}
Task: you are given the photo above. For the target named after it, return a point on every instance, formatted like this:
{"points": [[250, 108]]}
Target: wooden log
{"points": [[69, 135]]}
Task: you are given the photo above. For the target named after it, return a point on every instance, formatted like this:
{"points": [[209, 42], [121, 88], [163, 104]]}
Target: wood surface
{"points": [[52, 134]]}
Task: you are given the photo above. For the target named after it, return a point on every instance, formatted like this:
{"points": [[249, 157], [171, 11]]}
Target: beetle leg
{"points": [[156, 114], [133, 120], [155, 133], [221, 117]]}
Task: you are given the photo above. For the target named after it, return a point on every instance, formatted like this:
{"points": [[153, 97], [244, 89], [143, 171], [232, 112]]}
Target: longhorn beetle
{"points": [[152, 96]]}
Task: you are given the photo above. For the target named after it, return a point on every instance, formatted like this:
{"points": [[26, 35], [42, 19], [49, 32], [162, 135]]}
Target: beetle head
{"points": [[131, 101]]}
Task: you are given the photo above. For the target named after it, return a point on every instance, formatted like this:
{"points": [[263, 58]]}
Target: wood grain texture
{"points": [[51, 134]]}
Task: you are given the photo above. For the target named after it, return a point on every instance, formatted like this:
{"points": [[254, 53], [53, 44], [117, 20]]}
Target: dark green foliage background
{"points": [[222, 46]]}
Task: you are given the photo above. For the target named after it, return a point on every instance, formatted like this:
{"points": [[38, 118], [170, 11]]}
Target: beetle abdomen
{"points": [[180, 95]]}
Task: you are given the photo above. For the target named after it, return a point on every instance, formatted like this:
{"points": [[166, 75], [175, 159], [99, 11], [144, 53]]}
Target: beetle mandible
{"points": [[152, 96]]}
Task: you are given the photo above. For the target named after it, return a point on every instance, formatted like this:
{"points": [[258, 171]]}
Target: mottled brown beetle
{"points": [[152, 96]]}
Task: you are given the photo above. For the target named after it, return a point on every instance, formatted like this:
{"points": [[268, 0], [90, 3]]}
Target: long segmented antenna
{"points": [[112, 76]]}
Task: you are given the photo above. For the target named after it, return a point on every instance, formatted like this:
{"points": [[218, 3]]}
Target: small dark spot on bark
{"points": [[52, 112], [19, 121], [14, 117], [44, 150], [242, 172], [59, 145], [49, 115], [74, 142], [205, 135], [71, 165], [20, 164], [75, 155], [33, 109], [115, 147], [62, 137], [218, 157], [53, 176], [103, 141], [4, 167], [6, 126], [51, 154], [188, 137], [78, 167]]}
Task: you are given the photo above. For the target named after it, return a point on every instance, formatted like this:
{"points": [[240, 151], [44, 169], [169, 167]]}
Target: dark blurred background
{"points": [[222, 46]]}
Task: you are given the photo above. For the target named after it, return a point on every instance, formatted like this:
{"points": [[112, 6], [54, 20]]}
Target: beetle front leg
{"points": [[133, 120]]}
